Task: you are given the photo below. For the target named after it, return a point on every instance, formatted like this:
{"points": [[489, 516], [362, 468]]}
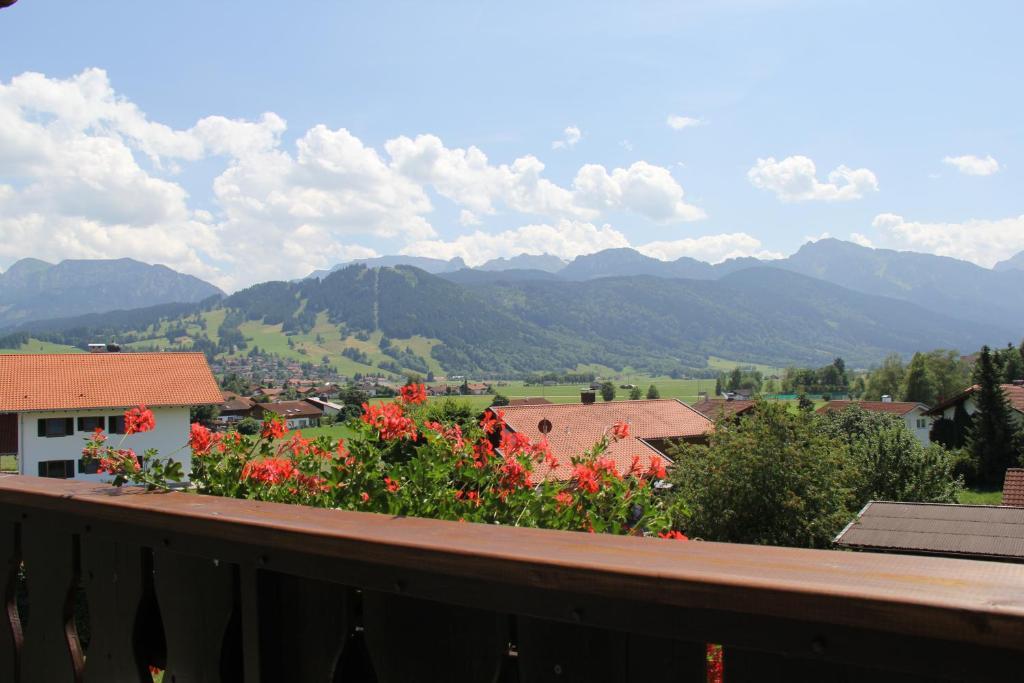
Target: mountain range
{"points": [[616, 308], [36, 290]]}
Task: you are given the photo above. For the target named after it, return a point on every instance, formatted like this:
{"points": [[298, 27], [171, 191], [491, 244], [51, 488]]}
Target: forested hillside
{"points": [[509, 323]]}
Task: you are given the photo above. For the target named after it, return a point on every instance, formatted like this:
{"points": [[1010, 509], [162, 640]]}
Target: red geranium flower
{"points": [[274, 427], [138, 419], [413, 393], [200, 439], [673, 534], [390, 421], [492, 422], [620, 430]]}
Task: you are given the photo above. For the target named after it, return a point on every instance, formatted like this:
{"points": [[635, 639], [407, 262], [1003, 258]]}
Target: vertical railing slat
{"points": [[10, 624], [303, 627], [419, 640], [558, 652], [197, 602], [51, 651], [112, 572]]}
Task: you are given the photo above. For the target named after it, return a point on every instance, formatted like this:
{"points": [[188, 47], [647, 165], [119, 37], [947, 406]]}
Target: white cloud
{"points": [[566, 239], [980, 241], [794, 179], [570, 136], [676, 122], [643, 188], [89, 175], [973, 165], [710, 248], [862, 240]]}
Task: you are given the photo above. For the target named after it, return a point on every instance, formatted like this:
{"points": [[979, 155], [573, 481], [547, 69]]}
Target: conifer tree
{"points": [[992, 439], [1013, 364], [652, 392]]}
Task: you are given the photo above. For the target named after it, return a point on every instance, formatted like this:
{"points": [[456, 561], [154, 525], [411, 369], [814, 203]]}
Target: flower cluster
{"points": [[138, 419], [124, 464], [413, 394], [390, 421]]}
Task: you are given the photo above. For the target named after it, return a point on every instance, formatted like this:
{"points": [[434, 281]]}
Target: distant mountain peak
{"points": [[546, 262], [1015, 262]]}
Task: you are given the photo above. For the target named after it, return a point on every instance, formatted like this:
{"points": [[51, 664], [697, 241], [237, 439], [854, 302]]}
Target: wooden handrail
{"points": [[802, 606]]}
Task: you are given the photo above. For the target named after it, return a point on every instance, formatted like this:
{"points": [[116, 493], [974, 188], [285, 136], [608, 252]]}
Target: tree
{"points": [[886, 380], [918, 385], [1013, 364], [248, 426], [607, 391], [499, 400], [772, 478], [993, 434], [204, 414], [634, 394], [950, 374], [652, 392], [735, 379]]}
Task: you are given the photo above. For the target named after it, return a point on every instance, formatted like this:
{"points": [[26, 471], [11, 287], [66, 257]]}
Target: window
{"points": [[90, 424], [57, 469], [922, 423], [115, 424], [88, 466], [56, 426]]}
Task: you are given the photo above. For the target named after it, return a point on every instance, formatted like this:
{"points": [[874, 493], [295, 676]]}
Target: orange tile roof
{"points": [[576, 427], [894, 407], [1013, 487], [69, 381]]}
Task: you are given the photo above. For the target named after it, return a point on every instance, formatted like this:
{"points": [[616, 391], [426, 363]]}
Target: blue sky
{"points": [[244, 141]]}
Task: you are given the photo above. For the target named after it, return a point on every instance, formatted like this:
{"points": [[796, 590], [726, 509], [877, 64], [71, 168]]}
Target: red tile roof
{"points": [[70, 381], [715, 408], [894, 407], [576, 427], [1013, 487]]}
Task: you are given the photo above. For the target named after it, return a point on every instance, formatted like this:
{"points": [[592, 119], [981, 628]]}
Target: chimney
{"points": [[588, 397], [887, 399]]}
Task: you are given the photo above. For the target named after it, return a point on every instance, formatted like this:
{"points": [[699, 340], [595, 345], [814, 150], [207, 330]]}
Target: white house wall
{"points": [[169, 436]]}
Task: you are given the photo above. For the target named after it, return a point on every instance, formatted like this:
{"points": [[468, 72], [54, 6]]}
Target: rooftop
{"points": [[1014, 394], [976, 531], [716, 408], [291, 409], [73, 381], [1013, 487], [894, 407], [576, 427]]}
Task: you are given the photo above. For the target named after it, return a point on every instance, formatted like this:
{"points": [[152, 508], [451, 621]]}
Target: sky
{"points": [[248, 141]]}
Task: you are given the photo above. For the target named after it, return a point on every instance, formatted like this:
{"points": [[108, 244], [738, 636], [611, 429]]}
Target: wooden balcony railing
{"points": [[100, 584]]}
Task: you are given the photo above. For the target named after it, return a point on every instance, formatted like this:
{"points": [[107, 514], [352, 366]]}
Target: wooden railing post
{"points": [[10, 622]]}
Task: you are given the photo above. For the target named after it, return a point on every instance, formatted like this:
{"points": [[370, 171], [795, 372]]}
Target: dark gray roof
{"points": [[978, 531]]}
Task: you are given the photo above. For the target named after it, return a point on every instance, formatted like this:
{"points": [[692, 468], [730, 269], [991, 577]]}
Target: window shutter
{"points": [[42, 427], [69, 426], [81, 424]]}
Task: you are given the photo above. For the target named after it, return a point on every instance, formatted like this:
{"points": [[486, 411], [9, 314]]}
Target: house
{"points": [[916, 416], [529, 401], [268, 393], [50, 403], [326, 407], [297, 414], [724, 409], [1013, 487], [476, 388], [573, 428], [966, 401], [980, 532], [235, 407]]}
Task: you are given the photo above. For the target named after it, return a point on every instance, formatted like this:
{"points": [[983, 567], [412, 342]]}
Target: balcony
{"points": [[216, 589]]}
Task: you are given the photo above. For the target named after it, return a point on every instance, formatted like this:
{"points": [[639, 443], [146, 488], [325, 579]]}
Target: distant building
{"points": [[979, 532], [573, 428], [235, 407], [965, 399], [721, 408], [297, 414], [916, 416], [50, 403], [529, 401], [326, 407]]}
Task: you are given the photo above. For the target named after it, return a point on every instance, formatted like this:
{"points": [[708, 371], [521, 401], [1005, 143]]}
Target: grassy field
{"points": [[36, 346], [334, 431], [726, 365], [979, 497]]}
